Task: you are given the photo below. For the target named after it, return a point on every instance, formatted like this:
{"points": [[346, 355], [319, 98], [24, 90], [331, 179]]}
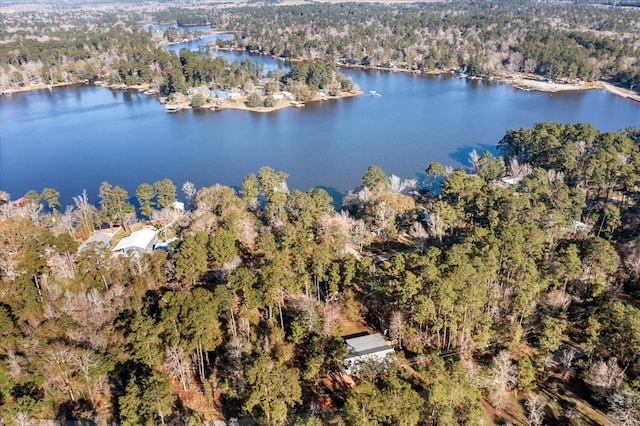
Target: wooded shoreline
{"points": [[531, 82]]}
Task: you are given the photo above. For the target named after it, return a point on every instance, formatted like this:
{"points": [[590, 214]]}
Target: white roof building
{"points": [[366, 349], [139, 241], [510, 180], [100, 240], [178, 205]]}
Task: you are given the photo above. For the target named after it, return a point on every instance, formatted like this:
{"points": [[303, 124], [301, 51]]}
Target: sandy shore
{"points": [[546, 86], [626, 93], [241, 105], [542, 85], [36, 87]]}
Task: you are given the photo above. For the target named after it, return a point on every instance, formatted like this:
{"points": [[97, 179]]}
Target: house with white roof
{"points": [[99, 240], [371, 348], [139, 241]]}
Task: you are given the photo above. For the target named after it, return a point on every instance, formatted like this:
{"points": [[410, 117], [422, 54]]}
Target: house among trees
{"points": [[139, 241], [366, 350], [100, 240]]}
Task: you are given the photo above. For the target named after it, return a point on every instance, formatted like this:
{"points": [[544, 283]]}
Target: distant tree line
{"points": [[558, 41], [567, 42], [128, 53]]}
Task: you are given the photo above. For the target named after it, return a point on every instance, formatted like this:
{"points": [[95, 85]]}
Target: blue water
{"points": [[74, 138]]}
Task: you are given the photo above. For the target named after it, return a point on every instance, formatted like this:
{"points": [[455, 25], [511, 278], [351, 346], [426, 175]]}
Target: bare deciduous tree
{"points": [[418, 234], [501, 376], [535, 410], [567, 357], [474, 158], [436, 226], [604, 378], [518, 170], [85, 211], [65, 222], [178, 366], [395, 327], [624, 408], [189, 190], [22, 418]]}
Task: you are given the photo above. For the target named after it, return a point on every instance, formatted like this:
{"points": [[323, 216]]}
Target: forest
{"points": [[509, 289], [559, 41]]}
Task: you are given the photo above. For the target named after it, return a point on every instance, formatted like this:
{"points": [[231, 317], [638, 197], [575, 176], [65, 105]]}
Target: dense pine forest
{"points": [[509, 290]]}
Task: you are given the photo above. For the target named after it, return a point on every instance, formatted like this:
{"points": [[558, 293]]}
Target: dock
{"points": [[172, 108]]}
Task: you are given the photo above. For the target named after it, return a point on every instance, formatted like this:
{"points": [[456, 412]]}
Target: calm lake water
{"points": [[74, 138]]}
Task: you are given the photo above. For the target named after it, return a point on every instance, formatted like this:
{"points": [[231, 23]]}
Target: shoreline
{"points": [[620, 91], [241, 106], [41, 86], [529, 82]]}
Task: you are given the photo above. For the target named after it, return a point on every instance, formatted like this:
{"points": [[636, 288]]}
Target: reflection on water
{"points": [[76, 137]]}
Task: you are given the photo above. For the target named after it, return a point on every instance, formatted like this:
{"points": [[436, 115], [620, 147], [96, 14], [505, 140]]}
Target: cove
{"points": [[73, 138]]}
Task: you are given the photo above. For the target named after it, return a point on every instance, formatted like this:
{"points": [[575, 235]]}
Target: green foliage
{"points": [[114, 204], [250, 189], [551, 335], [374, 178], [197, 100], [166, 193], [526, 374], [255, 100], [270, 102], [315, 74], [451, 398], [52, 197], [490, 168], [602, 261], [222, 246], [32, 197], [145, 195], [273, 389], [148, 400], [622, 334], [191, 259]]}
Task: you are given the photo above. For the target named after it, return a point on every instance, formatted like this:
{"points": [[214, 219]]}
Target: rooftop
{"points": [[365, 345], [139, 240], [102, 238]]}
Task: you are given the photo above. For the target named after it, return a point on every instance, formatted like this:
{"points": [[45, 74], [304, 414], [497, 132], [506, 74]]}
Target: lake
{"points": [[73, 138]]}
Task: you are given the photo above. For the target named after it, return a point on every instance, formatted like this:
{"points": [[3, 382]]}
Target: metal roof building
{"points": [[139, 241], [101, 240], [365, 349]]}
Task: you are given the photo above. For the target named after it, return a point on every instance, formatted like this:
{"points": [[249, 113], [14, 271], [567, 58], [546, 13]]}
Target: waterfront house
{"points": [[100, 240], [370, 350], [138, 242], [220, 94]]}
